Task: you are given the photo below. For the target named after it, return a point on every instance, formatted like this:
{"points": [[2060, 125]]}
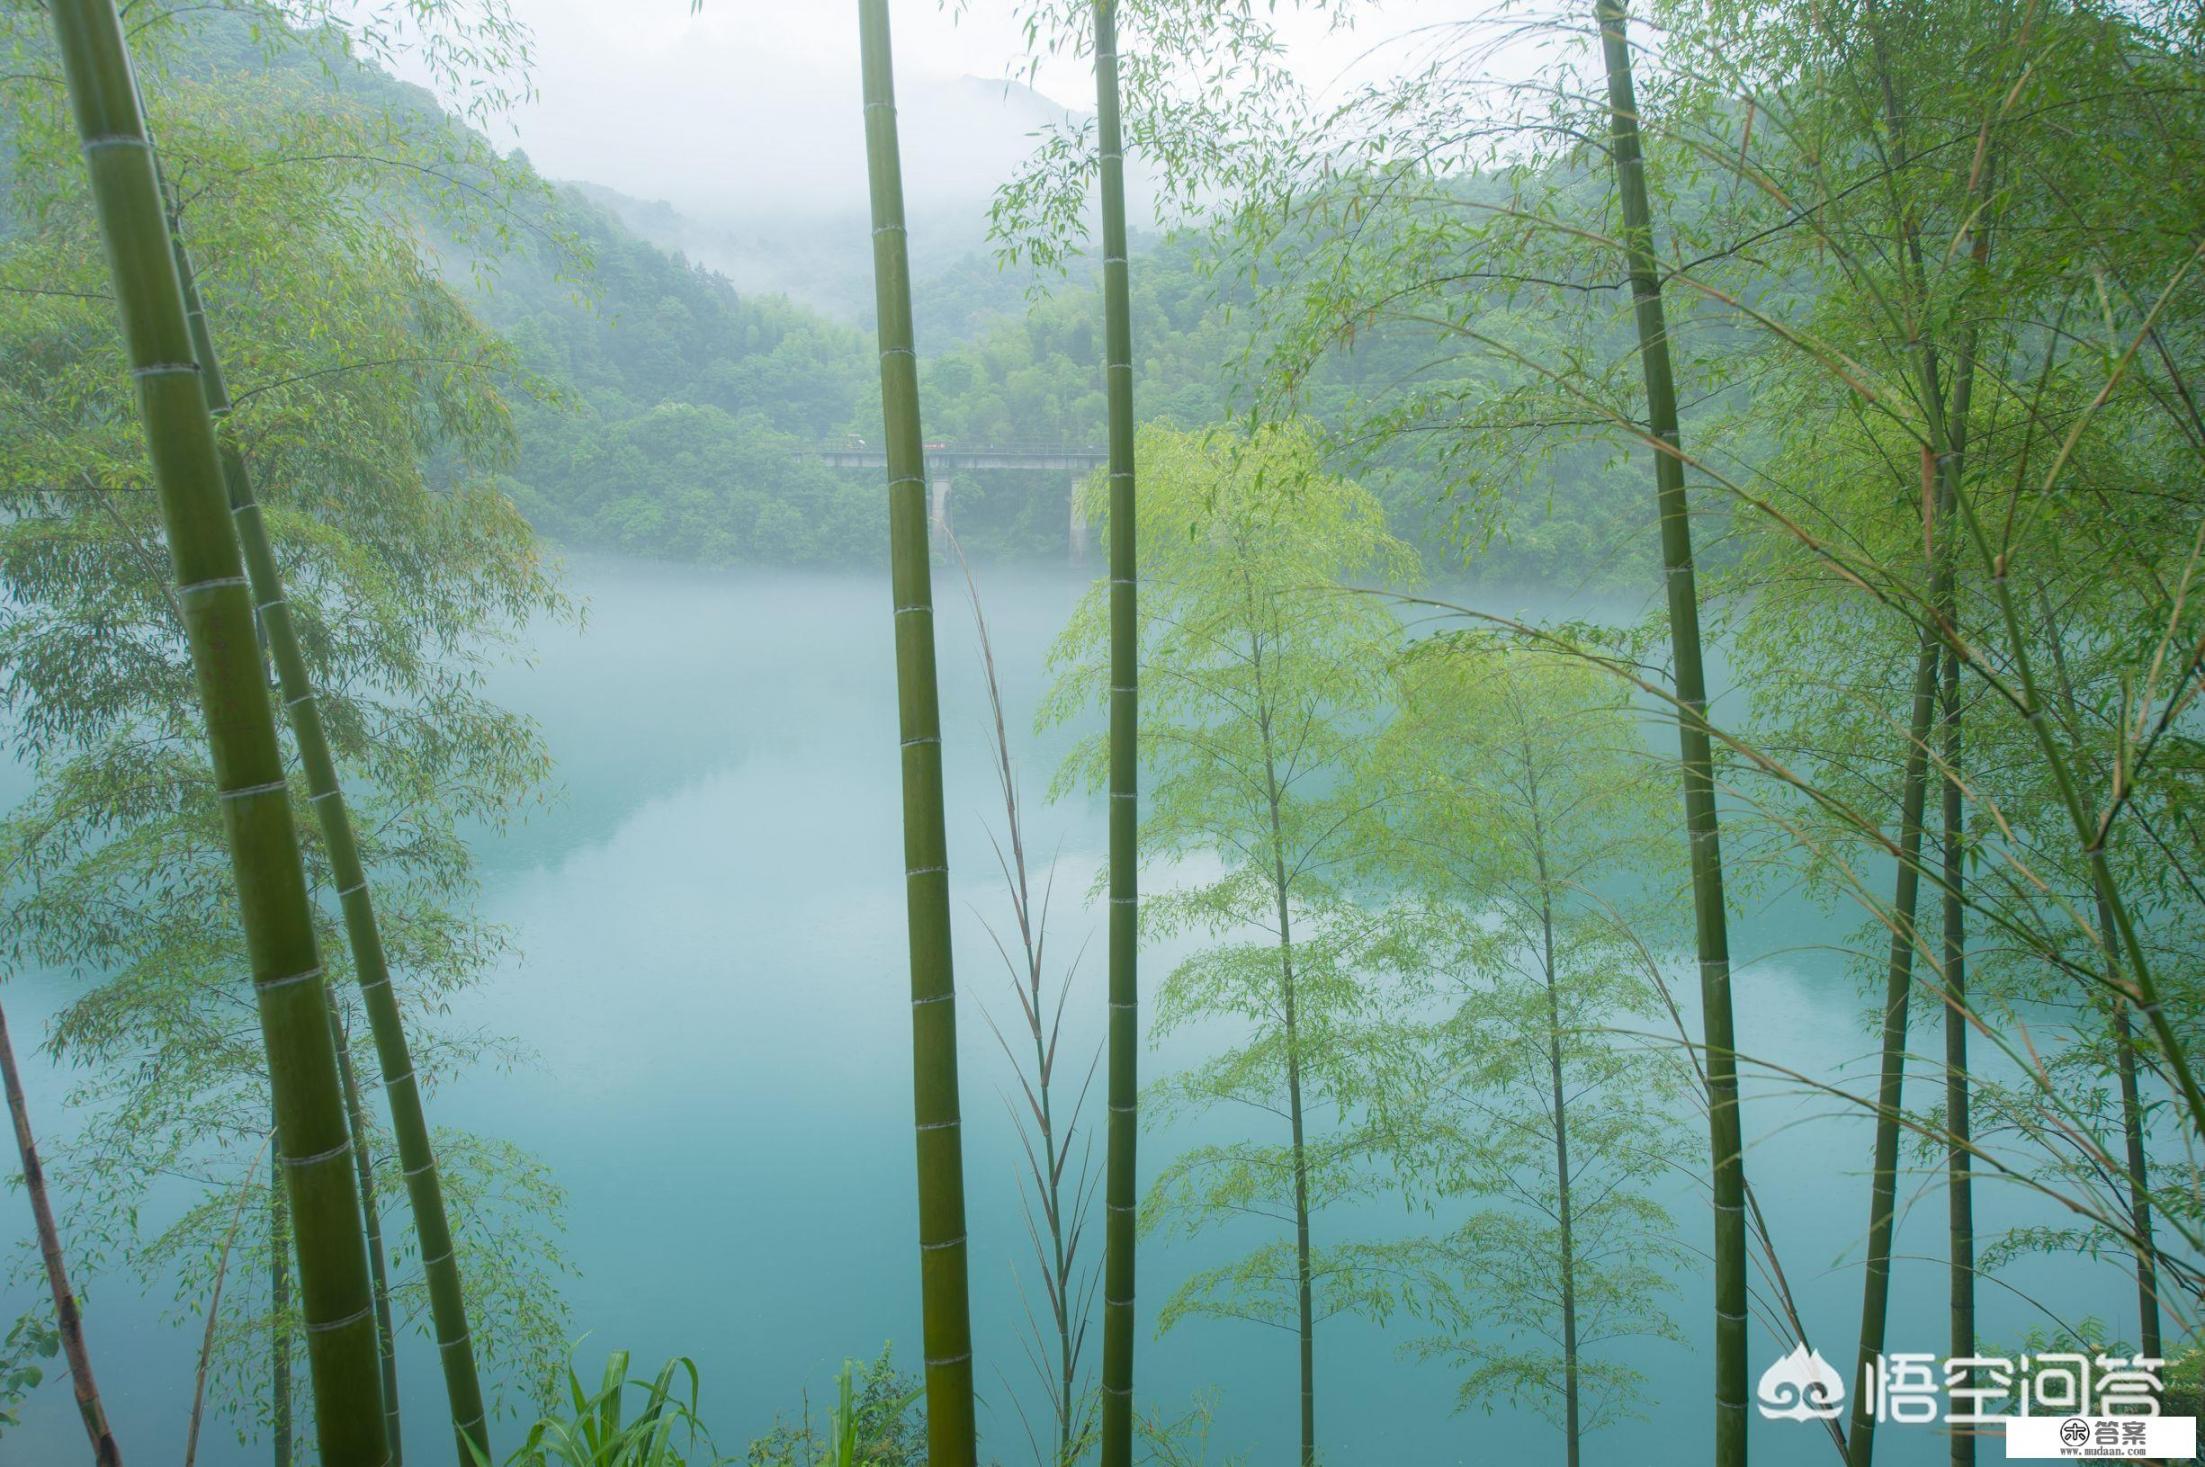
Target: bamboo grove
{"points": [[1832, 366]]}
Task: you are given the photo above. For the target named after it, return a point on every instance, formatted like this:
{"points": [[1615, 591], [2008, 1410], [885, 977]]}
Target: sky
{"points": [[753, 103]]}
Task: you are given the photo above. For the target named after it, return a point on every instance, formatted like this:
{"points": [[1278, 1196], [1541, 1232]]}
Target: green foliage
{"points": [[504, 1205], [878, 1420], [1182, 1440], [30, 1339], [690, 479], [693, 407], [1978, 192], [595, 1429], [1523, 813], [1947, 238], [1261, 676], [687, 408]]}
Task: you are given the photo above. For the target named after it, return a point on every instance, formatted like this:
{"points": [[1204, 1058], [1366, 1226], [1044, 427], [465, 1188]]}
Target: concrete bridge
{"points": [[946, 462]]}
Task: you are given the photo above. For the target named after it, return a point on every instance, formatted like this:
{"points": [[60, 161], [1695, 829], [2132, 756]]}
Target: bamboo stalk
{"points": [[1123, 1132], [68, 1319], [1959, 1167], [951, 1437], [214, 1311], [2137, 1159], [371, 1218], [1281, 888], [1710, 920], [2148, 1334], [1897, 1005], [279, 1326], [1947, 439], [1959, 1146], [313, 1142], [1936, 694], [1564, 1222], [363, 932]]}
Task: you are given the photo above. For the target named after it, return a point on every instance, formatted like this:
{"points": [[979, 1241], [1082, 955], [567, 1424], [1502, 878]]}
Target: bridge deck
{"points": [[1059, 457]]}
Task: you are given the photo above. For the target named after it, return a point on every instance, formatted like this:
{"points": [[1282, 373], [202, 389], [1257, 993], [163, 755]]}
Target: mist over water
{"points": [[709, 923]]}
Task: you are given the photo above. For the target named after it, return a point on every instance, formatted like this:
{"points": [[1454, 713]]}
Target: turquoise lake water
{"points": [[710, 996]]}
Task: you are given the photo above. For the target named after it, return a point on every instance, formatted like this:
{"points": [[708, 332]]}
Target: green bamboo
{"points": [[1936, 690], [371, 1216], [1709, 918], [1959, 1168], [1573, 1426], [409, 1124], [2138, 1161], [1945, 603], [1124, 958], [279, 1328], [947, 1324], [2148, 1334], [276, 629], [1946, 445], [313, 1141], [1860, 1440], [1304, 1279]]}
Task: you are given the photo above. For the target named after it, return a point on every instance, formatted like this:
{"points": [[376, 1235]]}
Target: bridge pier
{"points": [[937, 506], [1076, 531]]}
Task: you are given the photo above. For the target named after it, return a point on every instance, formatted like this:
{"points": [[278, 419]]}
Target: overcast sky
{"points": [[755, 100]]}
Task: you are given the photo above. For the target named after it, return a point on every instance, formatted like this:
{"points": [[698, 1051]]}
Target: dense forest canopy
{"points": [[1391, 988]]}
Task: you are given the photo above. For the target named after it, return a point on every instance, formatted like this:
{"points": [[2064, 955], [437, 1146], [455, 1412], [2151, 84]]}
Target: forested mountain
{"points": [[681, 410], [671, 413], [688, 407], [667, 413]]}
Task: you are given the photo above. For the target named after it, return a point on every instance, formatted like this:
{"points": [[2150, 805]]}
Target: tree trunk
{"points": [[67, 1318], [313, 1138], [951, 1438], [1123, 1133], [1710, 920]]}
